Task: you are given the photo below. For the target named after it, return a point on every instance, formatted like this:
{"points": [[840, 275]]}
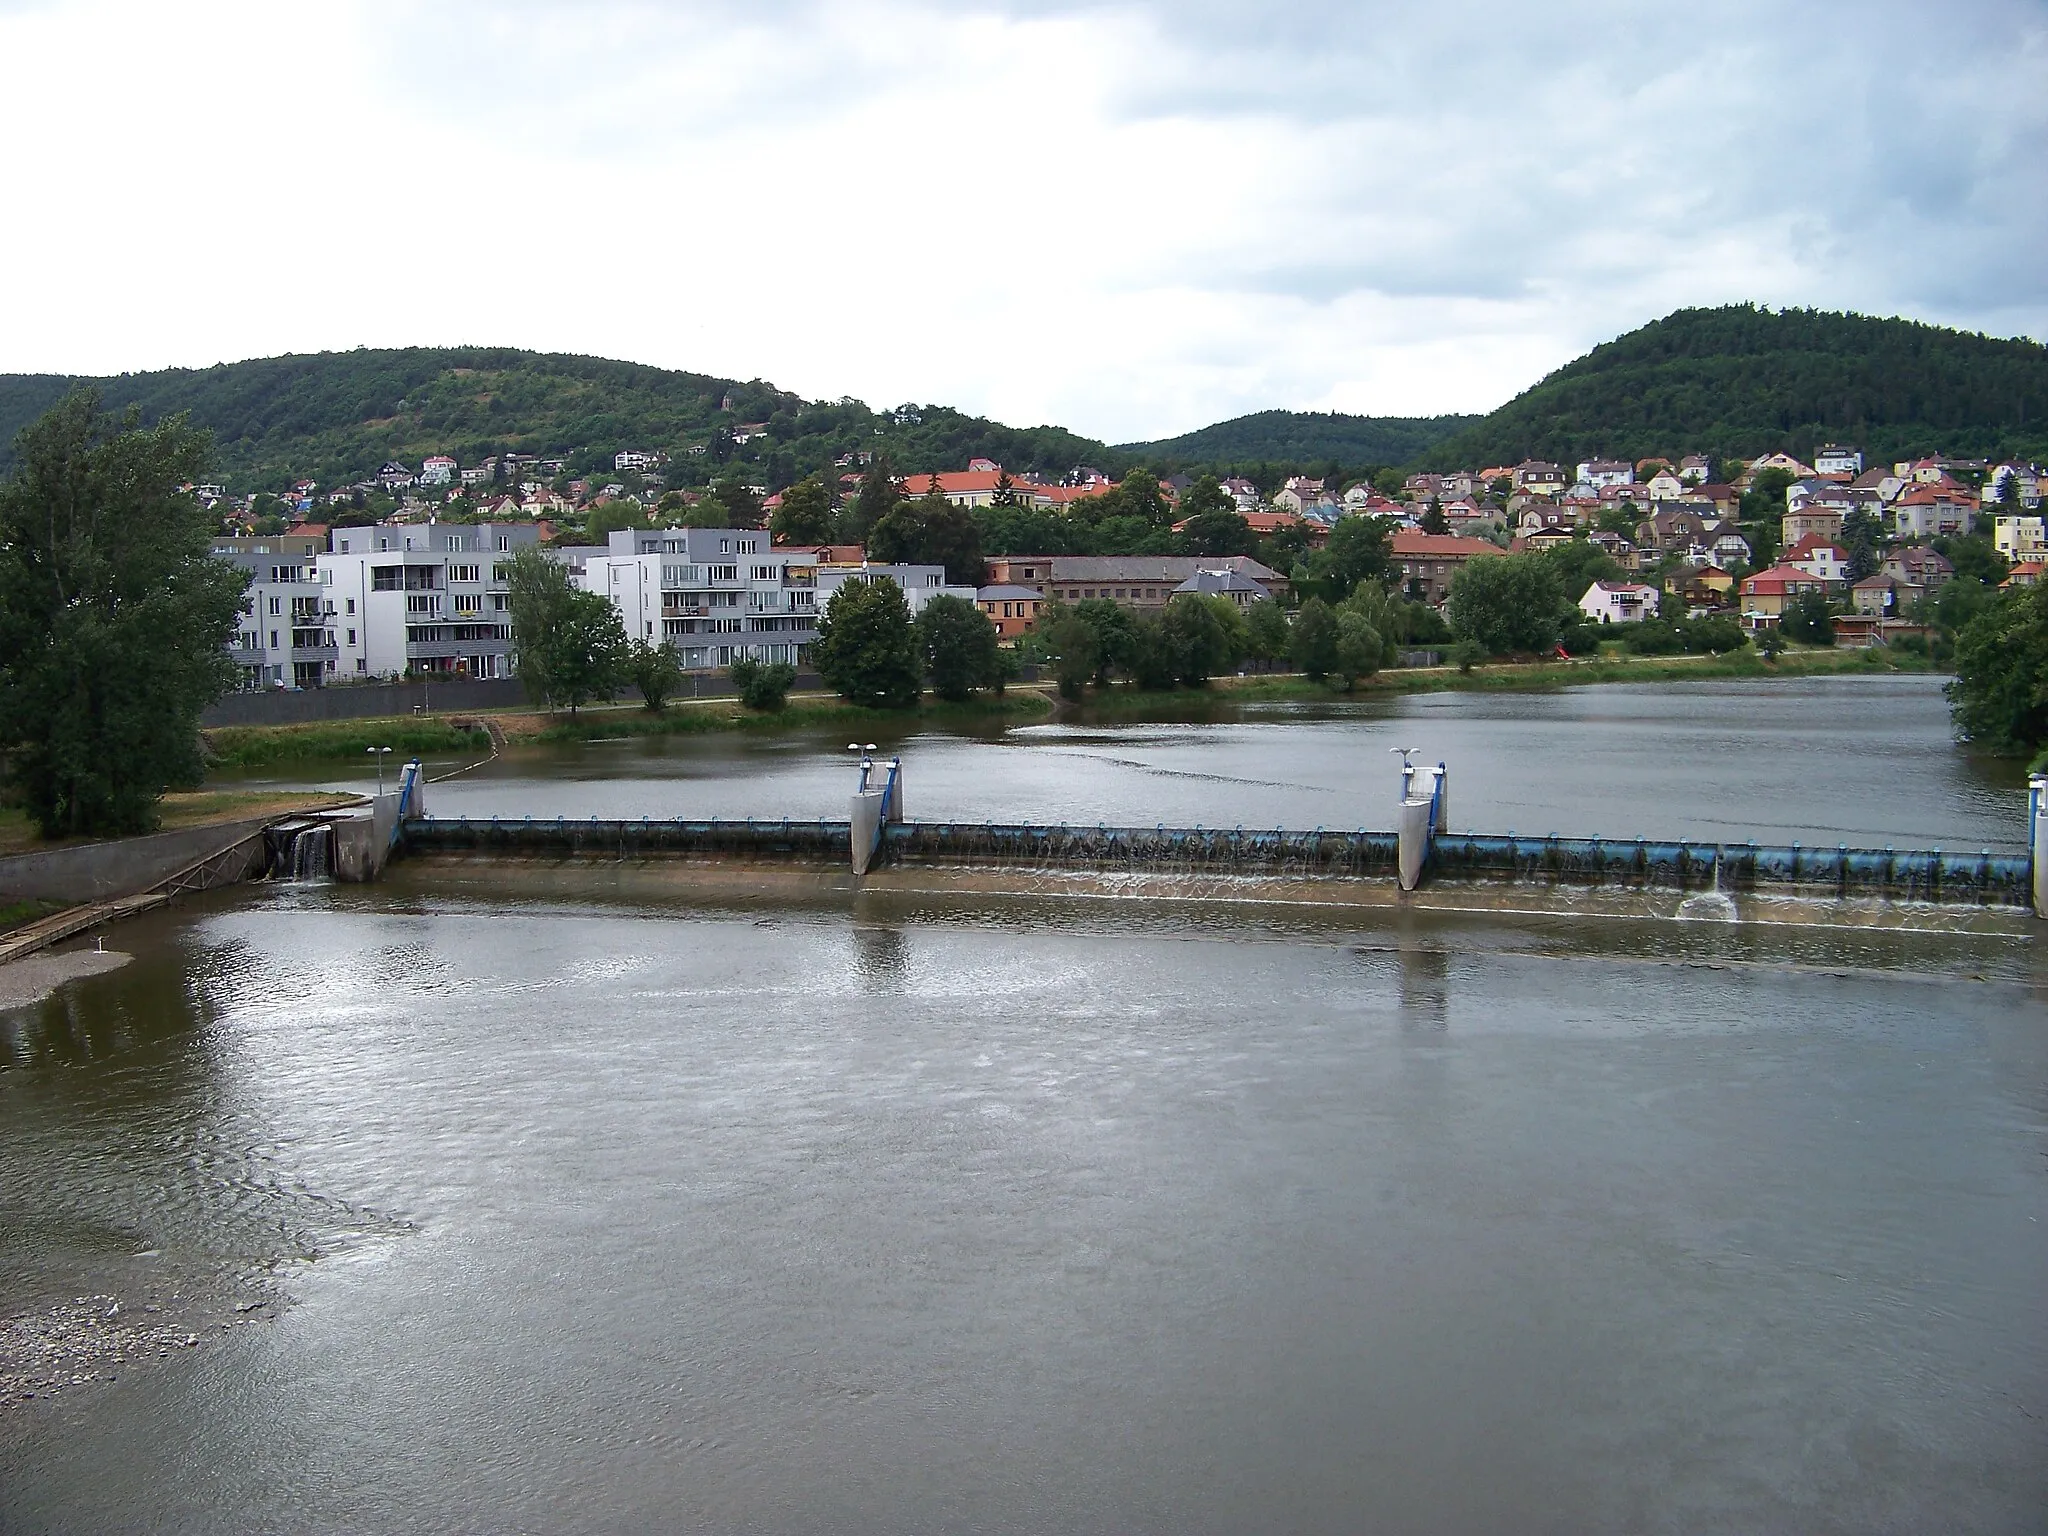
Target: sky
{"points": [[1129, 219]]}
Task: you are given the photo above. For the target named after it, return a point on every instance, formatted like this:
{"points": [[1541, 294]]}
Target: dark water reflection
{"points": [[628, 1212]]}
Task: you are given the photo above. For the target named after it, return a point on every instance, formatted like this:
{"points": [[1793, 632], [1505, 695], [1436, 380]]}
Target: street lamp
{"points": [[379, 754]]}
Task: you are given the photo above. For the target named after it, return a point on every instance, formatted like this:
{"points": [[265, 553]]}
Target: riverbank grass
{"points": [[725, 715], [180, 811], [242, 747], [1504, 677]]}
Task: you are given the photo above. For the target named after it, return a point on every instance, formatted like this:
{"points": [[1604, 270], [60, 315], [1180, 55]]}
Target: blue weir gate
{"points": [[1419, 851]]}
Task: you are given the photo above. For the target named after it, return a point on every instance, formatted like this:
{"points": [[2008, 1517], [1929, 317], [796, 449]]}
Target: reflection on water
{"points": [[1868, 761], [614, 1210]]}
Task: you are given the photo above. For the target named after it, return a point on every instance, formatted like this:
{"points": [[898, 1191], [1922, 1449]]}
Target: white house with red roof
{"points": [[1823, 557], [1928, 509]]}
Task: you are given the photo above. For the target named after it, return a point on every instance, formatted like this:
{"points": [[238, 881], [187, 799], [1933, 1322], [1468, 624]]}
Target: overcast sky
{"points": [[1129, 219]]}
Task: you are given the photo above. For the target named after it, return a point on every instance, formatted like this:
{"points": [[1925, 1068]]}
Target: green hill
{"points": [[1304, 437], [336, 416], [1744, 380]]}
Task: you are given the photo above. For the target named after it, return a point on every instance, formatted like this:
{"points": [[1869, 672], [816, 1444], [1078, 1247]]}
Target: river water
{"points": [[587, 1203], [1866, 761]]}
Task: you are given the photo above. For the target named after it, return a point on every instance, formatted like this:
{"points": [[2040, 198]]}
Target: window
{"points": [[276, 606], [351, 605], [351, 637], [387, 578], [273, 639], [465, 573], [725, 573]]}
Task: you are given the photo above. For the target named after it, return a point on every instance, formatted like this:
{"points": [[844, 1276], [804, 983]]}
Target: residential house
{"points": [[1816, 492], [1620, 602], [1834, 459], [1825, 559], [1784, 461], [2018, 537], [1538, 478], [1664, 486], [1239, 589], [1012, 609], [438, 470], [1543, 516], [394, 476], [1429, 561], [2026, 574], [1766, 595], [1301, 495], [1702, 588], [1243, 492], [1599, 472], [1882, 595], [1926, 510], [1694, 534], [1918, 567], [1724, 499], [1812, 521], [1888, 484], [2026, 480], [1695, 470]]}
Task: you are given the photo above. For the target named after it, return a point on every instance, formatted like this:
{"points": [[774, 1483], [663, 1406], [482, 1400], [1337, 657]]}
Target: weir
{"points": [[1418, 851]]}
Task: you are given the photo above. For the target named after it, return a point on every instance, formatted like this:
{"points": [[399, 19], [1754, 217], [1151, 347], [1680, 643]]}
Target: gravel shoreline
{"points": [[34, 977]]}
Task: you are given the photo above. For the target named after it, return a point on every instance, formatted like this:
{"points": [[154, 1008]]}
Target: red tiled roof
{"points": [[1414, 544]]}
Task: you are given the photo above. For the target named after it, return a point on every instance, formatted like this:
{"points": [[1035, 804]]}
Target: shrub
{"points": [[762, 685]]}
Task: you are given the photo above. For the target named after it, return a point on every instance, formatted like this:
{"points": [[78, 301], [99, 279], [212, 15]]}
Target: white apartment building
{"points": [[2019, 537], [920, 583], [717, 594], [286, 639], [430, 598], [713, 594]]}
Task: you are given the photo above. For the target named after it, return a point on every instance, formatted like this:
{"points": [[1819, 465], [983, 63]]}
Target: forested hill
{"points": [[336, 416], [1744, 380], [1304, 437]]}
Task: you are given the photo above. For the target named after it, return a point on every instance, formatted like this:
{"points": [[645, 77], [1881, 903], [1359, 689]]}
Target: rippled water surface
{"points": [[593, 1203], [604, 1211], [1868, 761]]}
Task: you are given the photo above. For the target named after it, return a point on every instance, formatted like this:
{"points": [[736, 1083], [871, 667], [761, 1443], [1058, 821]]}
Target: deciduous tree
{"points": [[867, 650], [1315, 639], [804, 516], [113, 617], [961, 649], [1506, 603]]}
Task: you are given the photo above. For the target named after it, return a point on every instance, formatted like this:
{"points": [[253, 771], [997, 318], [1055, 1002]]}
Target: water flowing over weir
{"points": [[1708, 877]]}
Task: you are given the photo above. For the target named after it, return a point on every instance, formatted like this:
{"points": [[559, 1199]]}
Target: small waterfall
{"points": [[313, 853], [301, 851], [1710, 906]]}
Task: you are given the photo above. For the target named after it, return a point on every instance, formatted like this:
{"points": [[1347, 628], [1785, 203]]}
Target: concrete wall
{"points": [[362, 842], [282, 707], [101, 871]]}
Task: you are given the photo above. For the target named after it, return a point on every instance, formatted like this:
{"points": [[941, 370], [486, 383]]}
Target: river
{"points": [[1862, 760], [573, 1201]]}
